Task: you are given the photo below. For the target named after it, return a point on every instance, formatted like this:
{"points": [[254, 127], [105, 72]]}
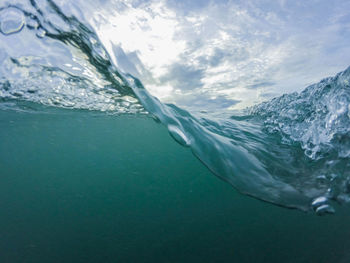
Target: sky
{"points": [[225, 54]]}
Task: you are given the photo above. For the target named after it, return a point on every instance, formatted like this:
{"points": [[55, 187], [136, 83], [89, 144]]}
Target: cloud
{"points": [[200, 101], [261, 84], [238, 51], [183, 77]]}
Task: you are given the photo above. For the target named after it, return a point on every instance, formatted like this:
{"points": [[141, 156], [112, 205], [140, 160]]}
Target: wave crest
{"points": [[54, 59], [318, 117]]}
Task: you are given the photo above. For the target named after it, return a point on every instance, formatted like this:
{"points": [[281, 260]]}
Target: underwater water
{"points": [[94, 168], [78, 186]]}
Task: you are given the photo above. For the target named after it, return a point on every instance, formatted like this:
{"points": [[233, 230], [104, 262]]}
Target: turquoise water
{"points": [[292, 151], [94, 168], [81, 186]]}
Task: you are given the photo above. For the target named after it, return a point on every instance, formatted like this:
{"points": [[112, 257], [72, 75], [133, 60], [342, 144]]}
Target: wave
{"points": [[56, 60], [292, 151]]}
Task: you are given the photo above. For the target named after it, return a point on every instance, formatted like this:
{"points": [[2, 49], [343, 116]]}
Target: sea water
{"points": [[96, 169], [80, 186]]}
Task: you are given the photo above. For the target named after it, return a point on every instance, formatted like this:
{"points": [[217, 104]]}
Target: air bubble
{"points": [[319, 201], [178, 135], [32, 23], [321, 207], [12, 20], [40, 32], [322, 180], [324, 209]]}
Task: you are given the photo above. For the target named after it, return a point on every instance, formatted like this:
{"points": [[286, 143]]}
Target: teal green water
{"points": [[104, 182], [79, 186], [292, 151]]}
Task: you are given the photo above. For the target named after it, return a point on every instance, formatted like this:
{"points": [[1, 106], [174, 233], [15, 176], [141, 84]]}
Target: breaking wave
{"points": [[292, 151]]}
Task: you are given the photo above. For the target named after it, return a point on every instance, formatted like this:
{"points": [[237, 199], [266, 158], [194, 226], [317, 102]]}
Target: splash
{"points": [[52, 59], [318, 117], [292, 151]]}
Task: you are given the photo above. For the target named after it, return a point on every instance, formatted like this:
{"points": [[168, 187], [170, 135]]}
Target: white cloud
{"points": [[146, 30], [241, 50]]}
